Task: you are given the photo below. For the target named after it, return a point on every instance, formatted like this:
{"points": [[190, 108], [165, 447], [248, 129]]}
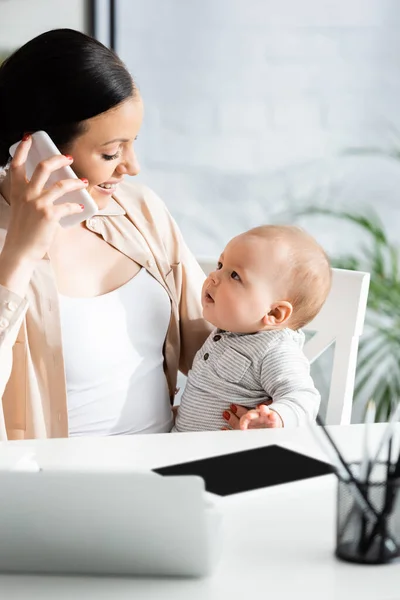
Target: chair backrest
{"points": [[340, 322]]}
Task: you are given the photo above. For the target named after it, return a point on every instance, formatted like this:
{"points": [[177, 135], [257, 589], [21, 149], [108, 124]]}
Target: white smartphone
{"points": [[43, 148]]}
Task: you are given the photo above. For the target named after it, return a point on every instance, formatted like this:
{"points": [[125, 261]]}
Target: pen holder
{"points": [[365, 538]]}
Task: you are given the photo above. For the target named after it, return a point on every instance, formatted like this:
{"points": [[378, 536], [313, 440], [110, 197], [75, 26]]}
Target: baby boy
{"points": [[268, 284]]}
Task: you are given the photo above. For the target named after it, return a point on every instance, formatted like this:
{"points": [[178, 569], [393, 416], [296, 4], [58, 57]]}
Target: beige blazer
{"points": [[32, 377]]}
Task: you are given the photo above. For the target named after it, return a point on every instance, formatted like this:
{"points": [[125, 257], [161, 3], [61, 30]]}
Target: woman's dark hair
{"points": [[56, 81]]}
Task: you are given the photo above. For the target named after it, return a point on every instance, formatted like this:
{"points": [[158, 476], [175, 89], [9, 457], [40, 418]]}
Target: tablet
{"points": [[250, 469]]}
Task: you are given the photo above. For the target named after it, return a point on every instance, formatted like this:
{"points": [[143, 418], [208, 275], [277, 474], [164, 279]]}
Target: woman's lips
{"points": [[106, 191]]}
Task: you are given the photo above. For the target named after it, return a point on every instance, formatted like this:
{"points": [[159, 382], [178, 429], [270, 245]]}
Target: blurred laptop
{"points": [[106, 522]]}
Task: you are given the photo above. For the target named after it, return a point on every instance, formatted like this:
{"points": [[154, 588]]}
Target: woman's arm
{"points": [[12, 312], [33, 220], [15, 275]]}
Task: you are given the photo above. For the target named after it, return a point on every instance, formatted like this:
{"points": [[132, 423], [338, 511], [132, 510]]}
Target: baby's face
{"points": [[242, 289]]}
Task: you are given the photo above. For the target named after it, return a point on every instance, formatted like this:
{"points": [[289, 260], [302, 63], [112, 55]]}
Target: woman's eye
{"points": [[234, 275], [219, 266], [110, 156]]}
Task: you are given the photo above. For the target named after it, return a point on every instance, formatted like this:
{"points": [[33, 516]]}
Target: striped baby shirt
{"points": [[248, 369]]}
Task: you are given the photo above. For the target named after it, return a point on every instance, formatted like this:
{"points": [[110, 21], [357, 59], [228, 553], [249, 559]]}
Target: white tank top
{"points": [[113, 356]]}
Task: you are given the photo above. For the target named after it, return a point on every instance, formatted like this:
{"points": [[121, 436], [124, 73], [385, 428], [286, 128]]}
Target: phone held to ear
{"points": [[43, 148]]}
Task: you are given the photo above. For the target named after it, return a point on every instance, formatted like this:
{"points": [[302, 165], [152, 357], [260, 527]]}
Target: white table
{"points": [[278, 542]]}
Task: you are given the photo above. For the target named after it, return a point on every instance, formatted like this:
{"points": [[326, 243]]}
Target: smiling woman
{"points": [[96, 319], [103, 158]]}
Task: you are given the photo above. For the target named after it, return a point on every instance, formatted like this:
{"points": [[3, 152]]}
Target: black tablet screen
{"points": [[250, 469]]}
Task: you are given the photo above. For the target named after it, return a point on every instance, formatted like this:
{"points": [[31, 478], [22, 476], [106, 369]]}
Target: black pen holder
{"points": [[362, 537]]}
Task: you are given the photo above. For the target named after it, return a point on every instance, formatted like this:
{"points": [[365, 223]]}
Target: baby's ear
{"points": [[279, 314]]}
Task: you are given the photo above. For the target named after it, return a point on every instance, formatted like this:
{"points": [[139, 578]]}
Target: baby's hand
{"points": [[259, 418]]}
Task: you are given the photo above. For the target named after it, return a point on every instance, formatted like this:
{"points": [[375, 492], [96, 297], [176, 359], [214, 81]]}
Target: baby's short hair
{"points": [[306, 270]]}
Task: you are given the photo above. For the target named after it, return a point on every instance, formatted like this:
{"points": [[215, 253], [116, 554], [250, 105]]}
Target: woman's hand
{"points": [[239, 417], [34, 219], [174, 410]]}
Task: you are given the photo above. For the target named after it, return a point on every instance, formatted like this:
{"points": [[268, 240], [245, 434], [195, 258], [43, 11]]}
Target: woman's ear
{"points": [[279, 314]]}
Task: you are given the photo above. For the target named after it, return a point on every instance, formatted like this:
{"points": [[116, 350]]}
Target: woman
{"points": [[96, 319]]}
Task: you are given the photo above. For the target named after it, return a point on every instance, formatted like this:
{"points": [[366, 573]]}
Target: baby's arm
{"points": [[285, 376]]}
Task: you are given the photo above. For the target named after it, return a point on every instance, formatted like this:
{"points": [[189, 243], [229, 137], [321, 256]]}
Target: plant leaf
{"points": [[378, 367]]}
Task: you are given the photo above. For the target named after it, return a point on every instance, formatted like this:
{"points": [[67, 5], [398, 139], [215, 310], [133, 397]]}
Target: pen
{"points": [[365, 467], [366, 462], [396, 470], [346, 475], [388, 502], [390, 496], [387, 434]]}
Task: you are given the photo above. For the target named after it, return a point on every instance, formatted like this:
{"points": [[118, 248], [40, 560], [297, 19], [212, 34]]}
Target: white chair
{"points": [[340, 322]]}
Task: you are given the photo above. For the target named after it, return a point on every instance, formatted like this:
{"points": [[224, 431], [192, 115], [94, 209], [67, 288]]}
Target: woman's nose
{"points": [[130, 165]]}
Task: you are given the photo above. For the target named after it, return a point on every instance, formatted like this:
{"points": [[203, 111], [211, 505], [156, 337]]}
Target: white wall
{"points": [[249, 103], [21, 20]]}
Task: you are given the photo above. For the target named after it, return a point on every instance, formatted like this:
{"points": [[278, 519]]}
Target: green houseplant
{"points": [[378, 368]]}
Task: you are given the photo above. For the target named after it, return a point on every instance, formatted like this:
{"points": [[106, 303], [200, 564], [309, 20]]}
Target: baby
{"points": [[269, 282]]}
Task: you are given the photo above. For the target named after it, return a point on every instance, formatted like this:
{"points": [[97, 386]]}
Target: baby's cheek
{"points": [[241, 313]]}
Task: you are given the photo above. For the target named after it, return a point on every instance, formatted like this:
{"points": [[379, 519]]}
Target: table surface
{"points": [[278, 542]]}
